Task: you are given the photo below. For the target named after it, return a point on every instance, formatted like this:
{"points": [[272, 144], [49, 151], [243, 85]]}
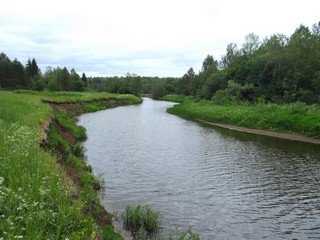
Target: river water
{"points": [[224, 184]]}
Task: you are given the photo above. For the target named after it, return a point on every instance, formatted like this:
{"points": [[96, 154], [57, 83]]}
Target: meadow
{"points": [[49, 192], [289, 118]]}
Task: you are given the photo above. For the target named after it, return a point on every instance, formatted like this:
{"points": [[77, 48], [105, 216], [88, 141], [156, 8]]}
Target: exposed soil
{"points": [[72, 175], [76, 108], [67, 135], [288, 136]]}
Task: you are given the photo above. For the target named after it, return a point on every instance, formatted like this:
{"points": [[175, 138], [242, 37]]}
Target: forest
{"points": [[277, 69]]}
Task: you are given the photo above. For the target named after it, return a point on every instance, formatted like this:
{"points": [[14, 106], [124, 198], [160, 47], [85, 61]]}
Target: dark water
{"points": [[223, 184]]}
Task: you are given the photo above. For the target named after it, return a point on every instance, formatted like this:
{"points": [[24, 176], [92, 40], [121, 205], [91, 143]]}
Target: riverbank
{"points": [[298, 121], [49, 191]]}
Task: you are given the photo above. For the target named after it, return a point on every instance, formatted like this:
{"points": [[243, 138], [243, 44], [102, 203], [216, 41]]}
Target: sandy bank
{"points": [[288, 136]]}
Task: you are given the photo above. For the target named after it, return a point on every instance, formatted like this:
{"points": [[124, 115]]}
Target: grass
{"points": [[185, 235], [177, 98], [291, 118], [144, 224], [142, 221], [38, 199], [78, 96]]}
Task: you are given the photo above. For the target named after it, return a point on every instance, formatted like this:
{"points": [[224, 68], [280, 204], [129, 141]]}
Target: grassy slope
{"points": [[290, 118], [35, 201]]}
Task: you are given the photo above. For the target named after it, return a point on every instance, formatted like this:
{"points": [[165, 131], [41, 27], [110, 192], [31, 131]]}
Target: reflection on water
{"points": [[222, 183]]}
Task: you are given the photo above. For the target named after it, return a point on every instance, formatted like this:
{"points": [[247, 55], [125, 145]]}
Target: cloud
{"points": [[147, 37]]}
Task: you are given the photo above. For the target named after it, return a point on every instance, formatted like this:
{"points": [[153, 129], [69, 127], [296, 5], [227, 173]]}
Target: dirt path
{"points": [[293, 137]]}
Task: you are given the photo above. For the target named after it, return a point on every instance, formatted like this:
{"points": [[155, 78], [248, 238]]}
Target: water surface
{"points": [[223, 184]]}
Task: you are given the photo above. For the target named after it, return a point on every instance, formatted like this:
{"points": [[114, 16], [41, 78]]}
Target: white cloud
{"points": [[147, 37]]}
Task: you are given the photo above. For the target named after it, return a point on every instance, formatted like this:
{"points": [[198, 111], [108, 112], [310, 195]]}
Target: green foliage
{"points": [[56, 142], [185, 235], [35, 203], [53, 85], [224, 97], [109, 234], [176, 98], [66, 122], [282, 69], [35, 200], [38, 85], [297, 117], [142, 221], [158, 90]]}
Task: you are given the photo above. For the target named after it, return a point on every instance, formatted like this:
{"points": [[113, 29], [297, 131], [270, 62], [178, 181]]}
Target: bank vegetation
{"points": [[47, 190]]}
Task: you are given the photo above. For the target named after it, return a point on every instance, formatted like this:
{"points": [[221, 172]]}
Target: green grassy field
{"points": [[37, 198], [291, 118]]}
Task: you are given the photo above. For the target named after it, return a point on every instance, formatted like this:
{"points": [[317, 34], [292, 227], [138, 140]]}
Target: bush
{"points": [[223, 97]]}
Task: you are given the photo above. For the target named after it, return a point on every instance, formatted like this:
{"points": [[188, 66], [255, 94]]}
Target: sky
{"points": [[161, 38]]}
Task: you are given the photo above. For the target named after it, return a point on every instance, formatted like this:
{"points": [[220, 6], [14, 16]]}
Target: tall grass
{"points": [[36, 200], [80, 96], [185, 235], [142, 221], [293, 118]]}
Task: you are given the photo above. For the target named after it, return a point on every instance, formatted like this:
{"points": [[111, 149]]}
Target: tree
{"points": [[209, 63], [158, 90], [63, 78], [32, 72], [184, 83], [215, 82], [230, 57], [53, 85], [32, 68], [84, 79], [303, 54], [4, 71], [316, 30], [251, 45], [75, 84], [19, 78], [135, 85]]}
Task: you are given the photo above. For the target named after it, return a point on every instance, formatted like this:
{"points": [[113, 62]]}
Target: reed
{"points": [[142, 221]]}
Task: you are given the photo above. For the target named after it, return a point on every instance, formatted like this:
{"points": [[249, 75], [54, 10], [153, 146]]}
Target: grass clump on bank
{"points": [[291, 118], [185, 235], [40, 199], [142, 221], [144, 224]]}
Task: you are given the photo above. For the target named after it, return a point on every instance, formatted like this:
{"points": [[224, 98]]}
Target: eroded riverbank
{"points": [[64, 138], [46, 192]]}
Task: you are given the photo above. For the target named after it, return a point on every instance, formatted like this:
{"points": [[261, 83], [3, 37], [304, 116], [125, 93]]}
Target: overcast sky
{"points": [[147, 37]]}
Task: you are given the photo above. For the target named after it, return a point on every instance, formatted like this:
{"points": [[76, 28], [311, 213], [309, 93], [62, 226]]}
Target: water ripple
{"points": [[225, 185]]}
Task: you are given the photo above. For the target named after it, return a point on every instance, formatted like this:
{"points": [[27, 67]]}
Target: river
{"points": [[224, 184]]}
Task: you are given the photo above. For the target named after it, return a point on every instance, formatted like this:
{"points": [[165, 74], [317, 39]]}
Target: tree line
{"points": [[14, 75], [135, 84], [277, 69]]}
